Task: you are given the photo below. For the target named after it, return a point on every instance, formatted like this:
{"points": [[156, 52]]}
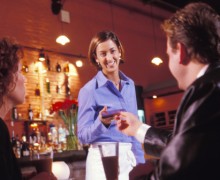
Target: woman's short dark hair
{"points": [[100, 38], [10, 53], [197, 27]]}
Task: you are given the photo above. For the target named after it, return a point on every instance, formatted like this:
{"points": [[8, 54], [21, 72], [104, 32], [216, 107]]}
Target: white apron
{"points": [[94, 167]]}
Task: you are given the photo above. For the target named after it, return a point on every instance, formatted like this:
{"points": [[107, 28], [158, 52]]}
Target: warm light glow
{"points": [[79, 63], [62, 39], [41, 58], [60, 170], [39, 68], [34, 125], [154, 96], [72, 70], [157, 61]]}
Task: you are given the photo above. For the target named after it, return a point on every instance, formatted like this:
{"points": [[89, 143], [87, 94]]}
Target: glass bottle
{"points": [[66, 68], [58, 89], [13, 142], [37, 90], [48, 63], [18, 147], [48, 85], [58, 67], [68, 90], [25, 67], [30, 112], [14, 113], [24, 147]]}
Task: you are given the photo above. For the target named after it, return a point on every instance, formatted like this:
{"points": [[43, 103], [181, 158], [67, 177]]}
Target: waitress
{"points": [[109, 89]]}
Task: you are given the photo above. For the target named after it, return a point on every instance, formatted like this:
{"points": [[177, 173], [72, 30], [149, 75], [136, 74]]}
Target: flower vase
{"points": [[71, 142]]}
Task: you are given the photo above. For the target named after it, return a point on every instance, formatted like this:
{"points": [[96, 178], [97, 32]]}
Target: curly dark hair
{"points": [[197, 27], [100, 38], [10, 54]]}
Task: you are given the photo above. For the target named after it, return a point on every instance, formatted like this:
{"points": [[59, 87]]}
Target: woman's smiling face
{"points": [[108, 56]]}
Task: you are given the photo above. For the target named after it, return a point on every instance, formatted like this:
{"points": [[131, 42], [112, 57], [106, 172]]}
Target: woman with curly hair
{"points": [[12, 93]]}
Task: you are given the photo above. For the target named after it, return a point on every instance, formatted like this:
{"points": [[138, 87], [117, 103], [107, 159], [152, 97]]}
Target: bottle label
{"points": [[30, 115], [26, 153]]}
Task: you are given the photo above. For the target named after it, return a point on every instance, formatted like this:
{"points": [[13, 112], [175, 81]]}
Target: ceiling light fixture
{"points": [[56, 6], [62, 39], [65, 18], [41, 55], [154, 96], [156, 60]]}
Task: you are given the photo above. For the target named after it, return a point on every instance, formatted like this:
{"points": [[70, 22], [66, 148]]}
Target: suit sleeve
{"points": [[156, 140]]}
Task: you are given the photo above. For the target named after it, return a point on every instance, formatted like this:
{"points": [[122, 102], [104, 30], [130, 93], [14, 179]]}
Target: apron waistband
{"points": [[121, 144]]}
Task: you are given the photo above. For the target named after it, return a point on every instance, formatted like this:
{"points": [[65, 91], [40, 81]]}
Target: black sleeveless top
{"points": [[9, 169]]}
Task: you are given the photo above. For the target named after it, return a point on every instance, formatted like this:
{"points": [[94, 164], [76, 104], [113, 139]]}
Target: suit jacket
{"points": [[192, 151]]}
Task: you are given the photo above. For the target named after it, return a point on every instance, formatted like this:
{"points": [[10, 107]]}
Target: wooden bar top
{"points": [[66, 156]]}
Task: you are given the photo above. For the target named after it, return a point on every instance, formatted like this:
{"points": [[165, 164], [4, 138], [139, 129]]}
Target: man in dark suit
{"points": [[192, 151]]}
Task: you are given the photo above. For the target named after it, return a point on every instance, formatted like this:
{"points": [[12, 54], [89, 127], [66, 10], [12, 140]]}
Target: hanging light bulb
{"points": [[157, 61], [62, 39]]}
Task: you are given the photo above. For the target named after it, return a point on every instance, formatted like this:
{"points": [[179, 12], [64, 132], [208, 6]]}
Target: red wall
{"points": [[161, 104], [33, 24]]}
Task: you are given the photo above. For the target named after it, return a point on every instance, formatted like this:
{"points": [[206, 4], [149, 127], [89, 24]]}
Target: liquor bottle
{"points": [[30, 112], [17, 147], [37, 90], [48, 63], [25, 67], [14, 113], [58, 89], [13, 142], [58, 67], [66, 68], [68, 90], [25, 147], [61, 134], [48, 85]]}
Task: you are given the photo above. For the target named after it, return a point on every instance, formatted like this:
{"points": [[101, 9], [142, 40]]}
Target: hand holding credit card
{"points": [[111, 113]]}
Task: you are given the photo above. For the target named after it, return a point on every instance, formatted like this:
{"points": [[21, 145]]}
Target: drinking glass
{"points": [[42, 161], [109, 155]]}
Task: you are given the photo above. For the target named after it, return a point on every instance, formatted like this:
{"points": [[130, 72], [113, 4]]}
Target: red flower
{"points": [[57, 106], [66, 104]]}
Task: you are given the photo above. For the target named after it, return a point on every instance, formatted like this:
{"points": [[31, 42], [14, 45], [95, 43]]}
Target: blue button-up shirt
{"points": [[96, 94]]}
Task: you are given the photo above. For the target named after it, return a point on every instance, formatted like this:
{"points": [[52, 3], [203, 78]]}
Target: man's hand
{"points": [[128, 123]]}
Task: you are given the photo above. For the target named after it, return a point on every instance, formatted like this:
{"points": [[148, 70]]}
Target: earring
{"points": [[98, 64]]}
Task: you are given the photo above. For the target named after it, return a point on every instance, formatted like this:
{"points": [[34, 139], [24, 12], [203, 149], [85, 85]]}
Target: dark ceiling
{"points": [[173, 5]]}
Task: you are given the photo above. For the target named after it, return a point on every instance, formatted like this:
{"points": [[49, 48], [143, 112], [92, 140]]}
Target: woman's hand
{"points": [[105, 121]]}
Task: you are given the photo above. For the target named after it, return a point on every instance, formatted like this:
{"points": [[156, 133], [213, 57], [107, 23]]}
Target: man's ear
{"points": [[183, 54]]}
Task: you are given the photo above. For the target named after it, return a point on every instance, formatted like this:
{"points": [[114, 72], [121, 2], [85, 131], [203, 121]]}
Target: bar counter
{"points": [[75, 159]]}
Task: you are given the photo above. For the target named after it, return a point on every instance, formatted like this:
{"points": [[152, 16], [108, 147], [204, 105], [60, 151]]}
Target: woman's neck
{"points": [[4, 109], [114, 77], [3, 112]]}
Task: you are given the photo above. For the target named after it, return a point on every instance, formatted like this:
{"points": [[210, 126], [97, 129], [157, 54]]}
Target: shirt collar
{"points": [[202, 71], [101, 79]]}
